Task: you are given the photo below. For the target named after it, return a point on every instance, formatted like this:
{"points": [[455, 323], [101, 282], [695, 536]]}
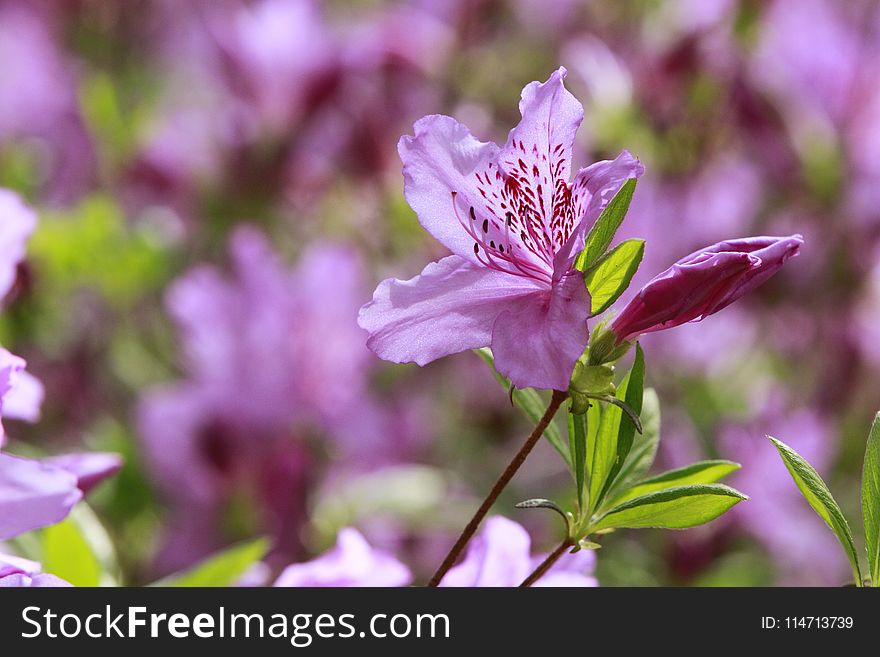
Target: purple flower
{"points": [[703, 283], [18, 572], [514, 225], [39, 113], [33, 495], [89, 468], [274, 359], [17, 222], [500, 556], [351, 563], [805, 551], [20, 394]]}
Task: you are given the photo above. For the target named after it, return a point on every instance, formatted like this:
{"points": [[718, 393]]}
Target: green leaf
{"points": [[871, 500], [602, 233], [702, 472], [533, 406], [75, 548], [577, 436], [632, 392], [221, 569], [614, 438], [644, 449], [678, 507], [608, 279], [815, 491]]}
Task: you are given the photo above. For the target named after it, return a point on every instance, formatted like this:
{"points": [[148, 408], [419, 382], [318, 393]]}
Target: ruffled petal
{"points": [[441, 165], [537, 155], [450, 307], [33, 495], [537, 340]]}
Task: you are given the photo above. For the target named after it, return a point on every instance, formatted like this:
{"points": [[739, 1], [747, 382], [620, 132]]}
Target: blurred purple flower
{"points": [[276, 335], [514, 226], [18, 572], [20, 393], [10, 369], [787, 61], [89, 468], [805, 551], [277, 53], [17, 222], [33, 495], [351, 563], [500, 556], [703, 283], [274, 359], [39, 106]]}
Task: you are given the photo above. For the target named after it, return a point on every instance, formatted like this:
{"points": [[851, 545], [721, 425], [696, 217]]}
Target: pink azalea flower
{"points": [[514, 225], [353, 562], [500, 556]]}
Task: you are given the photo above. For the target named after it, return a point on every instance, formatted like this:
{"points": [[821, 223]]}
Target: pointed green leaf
{"points": [[221, 569], [702, 472], [610, 277], [644, 449], [632, 393], [577, 431], [533, 406], [871, 500], [612, 441], [602, 233], [678, 507], [815, 491]]}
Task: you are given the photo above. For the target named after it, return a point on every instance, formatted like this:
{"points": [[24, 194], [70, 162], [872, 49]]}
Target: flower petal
{"points": [[537, 155], [450, 307], [537, 341], [17, 222], [24, 400], [11, 367], [498, 556], [33, 495], [353, 562], [441, 158], [89, 468]]}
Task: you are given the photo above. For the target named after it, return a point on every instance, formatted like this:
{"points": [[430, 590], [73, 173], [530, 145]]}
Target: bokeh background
{"points": [[219, 191]]}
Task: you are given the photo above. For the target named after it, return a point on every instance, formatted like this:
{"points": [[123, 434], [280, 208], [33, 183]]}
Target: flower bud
{"points": [[703, 283]]}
